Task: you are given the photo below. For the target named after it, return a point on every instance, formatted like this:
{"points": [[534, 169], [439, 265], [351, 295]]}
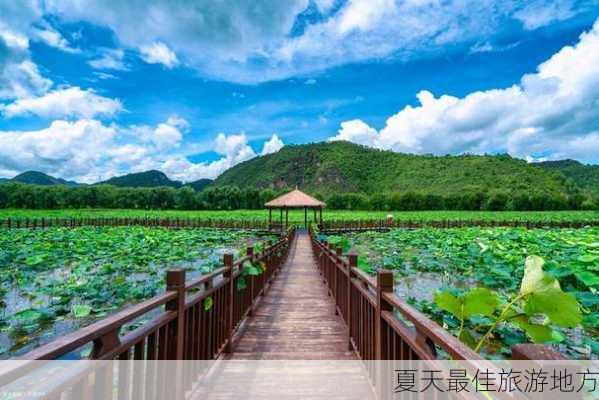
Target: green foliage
{"points": [[208, 303], [62, 278], [583, 176], [550, 301], [540, 294], [337, 168]]}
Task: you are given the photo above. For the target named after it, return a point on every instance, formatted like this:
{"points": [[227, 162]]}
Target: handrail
{"points": [[165, 222], [186, 327], [376, 316], [343, 226]]}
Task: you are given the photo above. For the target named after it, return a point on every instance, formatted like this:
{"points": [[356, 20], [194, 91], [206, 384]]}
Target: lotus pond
{"points": [[56, 280], [495, 287]]}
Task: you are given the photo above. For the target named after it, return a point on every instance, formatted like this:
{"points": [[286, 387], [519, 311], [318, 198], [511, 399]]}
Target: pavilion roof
{"points": [[295, 199]]}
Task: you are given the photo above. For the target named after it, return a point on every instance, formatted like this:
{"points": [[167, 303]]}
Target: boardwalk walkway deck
{"points": [[295, 322], [296, 319]]}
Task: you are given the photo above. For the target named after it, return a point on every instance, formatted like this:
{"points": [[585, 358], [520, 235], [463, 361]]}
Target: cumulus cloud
{"points": [[19, 76], [89, 150], [552, 113], [251, 42], [69, 102], [273, 145], [159, 53]]}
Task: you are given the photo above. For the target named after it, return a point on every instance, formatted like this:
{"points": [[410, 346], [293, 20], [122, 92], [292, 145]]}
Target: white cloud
{"points": [[109, 59], [552, 113], [159, 53], [251, 42], [538, 13], [69, 102], [89, 151], [273, 145], [357, 131], [19, 76], [53, 39]]}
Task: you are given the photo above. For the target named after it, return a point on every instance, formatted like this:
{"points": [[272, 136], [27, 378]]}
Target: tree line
{"points": [[18, 195]]}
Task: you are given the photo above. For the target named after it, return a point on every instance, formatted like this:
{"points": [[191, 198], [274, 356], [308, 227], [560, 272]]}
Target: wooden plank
{"points": [[296, 319]]}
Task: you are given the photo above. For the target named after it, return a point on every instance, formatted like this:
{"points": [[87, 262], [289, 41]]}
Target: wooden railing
{"points": [[341, 226], [193, 320], [45, 222], [382, 326]]}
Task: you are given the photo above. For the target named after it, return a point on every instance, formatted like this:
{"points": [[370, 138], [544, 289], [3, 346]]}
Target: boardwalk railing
{"points": [[44, 222], [382, 326], [193, 320], [340, 226]]}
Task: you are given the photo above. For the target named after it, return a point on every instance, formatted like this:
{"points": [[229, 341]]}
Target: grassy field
{"points": [[298, 215]]}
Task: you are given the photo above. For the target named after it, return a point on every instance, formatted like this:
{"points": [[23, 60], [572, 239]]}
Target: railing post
{"points": [[384, 284], [352, 263], [250, 253], [228, 274], [175, 281], [338, 252]]}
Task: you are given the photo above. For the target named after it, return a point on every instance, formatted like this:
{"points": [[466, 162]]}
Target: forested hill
{"points": [[335, 167], [142, 179], [584, 176], [39, 178]]}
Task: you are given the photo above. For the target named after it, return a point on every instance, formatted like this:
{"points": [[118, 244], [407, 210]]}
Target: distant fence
{"points": [[340, 226], [34, 223], [193, 320]]}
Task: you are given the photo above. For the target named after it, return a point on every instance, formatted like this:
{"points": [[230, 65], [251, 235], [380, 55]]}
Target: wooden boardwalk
{"points": [[293, 346], [296, 319]]}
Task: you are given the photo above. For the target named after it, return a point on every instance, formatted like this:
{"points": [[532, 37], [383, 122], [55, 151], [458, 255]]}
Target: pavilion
{"points": [[296, 199]]}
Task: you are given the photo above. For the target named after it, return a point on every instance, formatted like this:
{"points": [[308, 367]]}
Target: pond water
{"points": [[42, 301]]}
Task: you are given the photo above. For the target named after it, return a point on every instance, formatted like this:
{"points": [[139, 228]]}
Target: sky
{"points": [[94, 89]]}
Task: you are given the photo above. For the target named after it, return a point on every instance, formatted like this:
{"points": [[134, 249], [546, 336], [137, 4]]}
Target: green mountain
{"points": [[39, 178], [151, 178], [336, 167], [584, 176], [200, 184]]}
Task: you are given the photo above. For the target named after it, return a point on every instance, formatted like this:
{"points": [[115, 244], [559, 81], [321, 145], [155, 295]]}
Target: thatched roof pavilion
{"points": [[295, 199]]}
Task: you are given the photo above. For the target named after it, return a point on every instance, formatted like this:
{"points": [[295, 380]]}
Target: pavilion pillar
{"points": [[320, 215], [269, 218], [281, 219], [306, 217], [286, 218], [315, 219]]}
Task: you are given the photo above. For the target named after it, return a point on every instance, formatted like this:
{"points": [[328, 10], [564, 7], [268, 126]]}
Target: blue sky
{"points": [[92, 90]]}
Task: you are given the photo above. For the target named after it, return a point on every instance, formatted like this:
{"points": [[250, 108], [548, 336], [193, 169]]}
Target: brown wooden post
{"points": [[352, 263], [338, 252], [384, 284], [286, 218], [306, 217], [228, 274], [250, 253], [269, 218], [281, 219], [175, 281]]}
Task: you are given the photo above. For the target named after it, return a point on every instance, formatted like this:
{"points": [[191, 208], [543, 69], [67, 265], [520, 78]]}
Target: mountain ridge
{"points": [[324, 168]]}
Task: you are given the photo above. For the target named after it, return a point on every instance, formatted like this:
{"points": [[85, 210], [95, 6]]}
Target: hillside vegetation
{"points": [[336, 167], [39, 178], [151, 178], [584, 176]]}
